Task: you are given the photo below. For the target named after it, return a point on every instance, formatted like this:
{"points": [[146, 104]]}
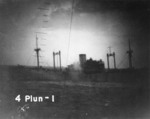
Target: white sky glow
{"points": [[81, 41]]}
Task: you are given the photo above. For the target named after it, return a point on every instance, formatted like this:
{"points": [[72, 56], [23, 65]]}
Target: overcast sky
{"points": [[96, 25]]}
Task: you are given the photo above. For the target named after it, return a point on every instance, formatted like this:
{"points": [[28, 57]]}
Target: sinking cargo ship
{"points": [[91, 92]]}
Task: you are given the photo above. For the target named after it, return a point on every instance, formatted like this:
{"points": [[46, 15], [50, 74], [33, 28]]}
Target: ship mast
{"points": [[129, 52], [37, 49]]}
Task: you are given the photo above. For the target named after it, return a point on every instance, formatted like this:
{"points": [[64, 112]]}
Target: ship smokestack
{"points": [[82, 59]]}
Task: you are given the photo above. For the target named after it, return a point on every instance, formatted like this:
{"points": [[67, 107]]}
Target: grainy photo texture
{"points": [[74, 59]]}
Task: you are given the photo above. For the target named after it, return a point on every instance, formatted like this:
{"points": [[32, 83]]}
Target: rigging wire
{"points": [[29, 58], [122, 61], [70, 31]]}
